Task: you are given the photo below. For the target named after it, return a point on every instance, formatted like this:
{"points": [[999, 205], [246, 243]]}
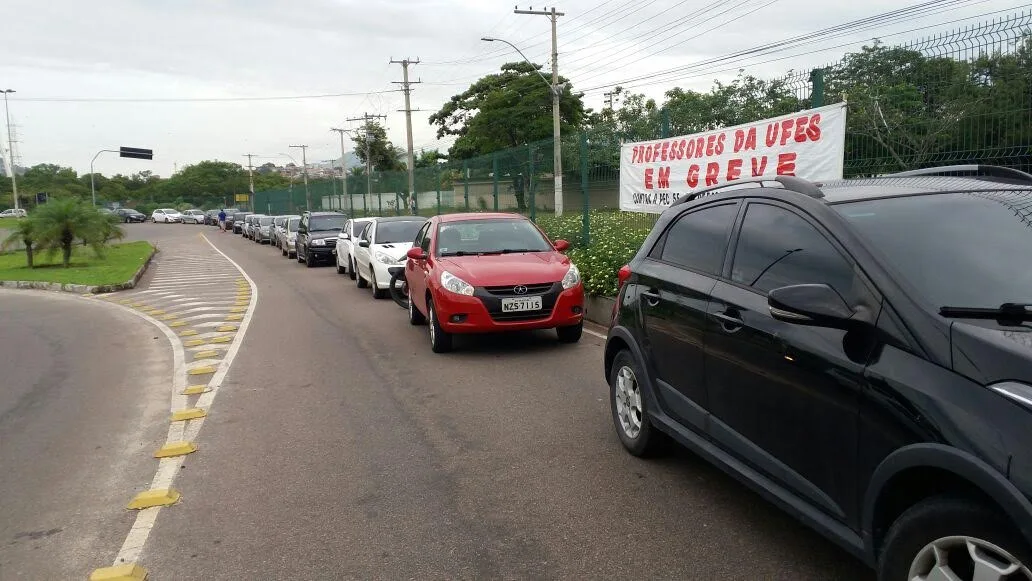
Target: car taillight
{"points": [[623, 274]]}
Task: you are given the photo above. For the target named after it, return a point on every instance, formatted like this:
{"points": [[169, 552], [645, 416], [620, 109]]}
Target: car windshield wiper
{"points": [[512, 250], [1006, 312]]}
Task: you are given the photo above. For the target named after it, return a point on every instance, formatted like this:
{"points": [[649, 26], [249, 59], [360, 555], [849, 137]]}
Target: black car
{"points": [[859, 352], [317, 236], [128, 215], [236, 221]]}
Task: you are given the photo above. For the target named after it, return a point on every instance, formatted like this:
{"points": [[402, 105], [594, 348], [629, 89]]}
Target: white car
{"points": [[12, 213], [166, 215], [289, 247], [345, 250], [193, 217], [382, 244]]}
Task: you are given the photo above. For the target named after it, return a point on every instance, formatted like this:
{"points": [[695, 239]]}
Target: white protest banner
{"points": [[809, 144]]}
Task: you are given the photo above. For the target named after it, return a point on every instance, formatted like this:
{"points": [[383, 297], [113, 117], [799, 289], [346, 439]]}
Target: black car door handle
{"points": [[652, 298], [729, 322]]}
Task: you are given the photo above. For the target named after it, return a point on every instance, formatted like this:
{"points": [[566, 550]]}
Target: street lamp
{"points": [[10, 147], [556, 89]]}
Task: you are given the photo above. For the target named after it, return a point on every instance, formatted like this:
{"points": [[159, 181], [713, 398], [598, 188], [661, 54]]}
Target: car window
{"points": [[698, 240], [395, 232], [779, 248], [423, 238], [368, 231]]}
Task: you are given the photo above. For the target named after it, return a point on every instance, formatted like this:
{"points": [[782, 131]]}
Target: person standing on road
{"points": [[222, 220]]}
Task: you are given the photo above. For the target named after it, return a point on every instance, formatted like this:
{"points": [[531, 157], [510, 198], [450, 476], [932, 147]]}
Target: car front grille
{"points": [[524, 316], [511, 290]]}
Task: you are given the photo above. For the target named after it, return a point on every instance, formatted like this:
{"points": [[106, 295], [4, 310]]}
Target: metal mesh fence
{"points": [[958, 97]]}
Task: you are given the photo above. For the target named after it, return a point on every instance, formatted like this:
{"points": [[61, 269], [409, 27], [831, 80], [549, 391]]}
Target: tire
{"points": [[283, 251], [934, 520], [359, 281], [340, 269], [378, 293], [309, 263], [440, 340], [414, 316], [351, 268], [570, 333], [398, 289], [297, 255], [646, 440]]}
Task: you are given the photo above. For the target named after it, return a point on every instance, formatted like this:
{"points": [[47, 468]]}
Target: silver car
{"points": [[251, 225], [262, 229], [279, 230], [193, 217], [289, 247]]}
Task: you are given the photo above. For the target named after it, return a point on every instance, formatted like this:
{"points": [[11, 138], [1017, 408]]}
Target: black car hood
{"points": [[321, 234], [987, 352]]}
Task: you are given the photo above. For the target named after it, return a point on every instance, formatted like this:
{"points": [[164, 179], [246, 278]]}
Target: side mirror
{"points": [[363, 243], [416, 253], [809, 304], [561, 245], [344, 236]]}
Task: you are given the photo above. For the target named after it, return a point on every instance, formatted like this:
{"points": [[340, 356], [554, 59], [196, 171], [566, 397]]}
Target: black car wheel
{"points": [[627, 400], [414, 316], [309, 259], [440, 340], [351, 268], [297, 254], [947, 537], [340, 269], [359, 281], [378, 293]]}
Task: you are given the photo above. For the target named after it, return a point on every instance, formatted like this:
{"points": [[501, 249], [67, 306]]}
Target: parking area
{"points": [[343, 442]]}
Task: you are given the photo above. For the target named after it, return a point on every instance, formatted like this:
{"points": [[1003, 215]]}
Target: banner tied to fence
{"points": [[809, 144]]}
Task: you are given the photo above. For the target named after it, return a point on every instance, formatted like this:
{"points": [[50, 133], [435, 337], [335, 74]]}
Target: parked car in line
{"points": [[346, 245], [262, 229], [489, 272], [382, 244], [166, 216], [857, 351], [238, 221], [251, 225], [211, 218], [288, 242], [317, 236], [14, 213], [128, 215], [193, 217], [229, 217], [279, 229]]}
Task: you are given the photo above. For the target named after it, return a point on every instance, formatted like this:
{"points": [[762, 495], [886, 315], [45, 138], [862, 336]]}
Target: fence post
{"points": [[494, 172], [438, 191], [465, 183], [665, 116], [586, 203], [530, 182], [817, 82]]}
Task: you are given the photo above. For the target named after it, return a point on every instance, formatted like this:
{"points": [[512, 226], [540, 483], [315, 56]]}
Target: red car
{"points": [[484, 273]]}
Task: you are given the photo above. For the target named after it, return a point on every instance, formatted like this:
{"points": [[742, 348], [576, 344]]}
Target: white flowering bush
{"points": [[615, 238]]}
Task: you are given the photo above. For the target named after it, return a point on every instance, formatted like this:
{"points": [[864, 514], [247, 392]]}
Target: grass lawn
{"points": [[119, 264]]}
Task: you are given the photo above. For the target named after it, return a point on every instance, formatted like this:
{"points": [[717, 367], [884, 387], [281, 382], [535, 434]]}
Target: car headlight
{"points": [[385, 258], [572, 277], [455, 284], [318, 242]]}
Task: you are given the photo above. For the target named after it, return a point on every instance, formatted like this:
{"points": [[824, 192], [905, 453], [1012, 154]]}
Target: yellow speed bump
{"points": [[226, 328], [238, 309], [188, 333], [201, 370], [188, 414], [205, 354], [225, 339], [125, 301], [193, 342], [137, 305], [235, 318], [127, 572], [241, 303], [156, 497], [175, 449], [177, 324], [154, 311], [167, 317], [196, 390]]}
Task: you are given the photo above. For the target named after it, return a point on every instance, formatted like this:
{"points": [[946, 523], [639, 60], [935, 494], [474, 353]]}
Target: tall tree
{"points": [[384, 155], [503, 110]]}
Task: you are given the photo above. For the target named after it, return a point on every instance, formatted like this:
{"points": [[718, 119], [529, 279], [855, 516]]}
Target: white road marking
{"points": [[169, 467], [595, 333]]}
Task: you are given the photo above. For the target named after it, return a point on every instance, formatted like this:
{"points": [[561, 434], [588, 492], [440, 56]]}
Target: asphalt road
{"points": [[83, 404]]}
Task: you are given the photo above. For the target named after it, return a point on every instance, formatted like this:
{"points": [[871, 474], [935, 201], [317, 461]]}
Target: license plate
{"points": [[515, 305]]}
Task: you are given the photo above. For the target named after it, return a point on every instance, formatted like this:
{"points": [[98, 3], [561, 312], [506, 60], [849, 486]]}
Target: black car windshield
{"points": [[400, 231], [327, 223], [292, 225], [265, 220], [958, 249], [489, 237]]}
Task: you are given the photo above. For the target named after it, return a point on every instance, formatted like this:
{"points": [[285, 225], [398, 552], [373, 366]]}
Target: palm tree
{"points": [[25, 232], [62, 222]]}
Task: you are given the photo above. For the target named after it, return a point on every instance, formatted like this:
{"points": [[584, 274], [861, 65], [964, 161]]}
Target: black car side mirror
{"points": [[809, 304], [363, 243]]}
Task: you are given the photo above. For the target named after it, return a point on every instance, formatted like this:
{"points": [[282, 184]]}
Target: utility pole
{"points": [[344, 169], [304, 172], [557, 147], [10, 147], [367, 119], [609, 99], [406, 87], [250, 178]]}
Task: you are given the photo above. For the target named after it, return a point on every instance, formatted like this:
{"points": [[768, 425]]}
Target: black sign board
{"points": [[136, 153]]}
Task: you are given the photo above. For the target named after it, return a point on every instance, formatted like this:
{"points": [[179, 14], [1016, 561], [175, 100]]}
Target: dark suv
{"points": [[317, 236], [859, 352]]}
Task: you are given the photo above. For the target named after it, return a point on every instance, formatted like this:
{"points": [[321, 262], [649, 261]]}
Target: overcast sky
{"points": [[90, 75]]}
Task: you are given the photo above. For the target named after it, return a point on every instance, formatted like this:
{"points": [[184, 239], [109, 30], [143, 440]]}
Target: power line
{"points": [[195, 99]]}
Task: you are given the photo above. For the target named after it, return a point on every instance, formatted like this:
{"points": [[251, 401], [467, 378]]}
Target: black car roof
{"points": [[887, 187]]}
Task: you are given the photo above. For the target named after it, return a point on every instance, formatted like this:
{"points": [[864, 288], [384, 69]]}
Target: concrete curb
{"points": [[599, 310], [81, 288]]}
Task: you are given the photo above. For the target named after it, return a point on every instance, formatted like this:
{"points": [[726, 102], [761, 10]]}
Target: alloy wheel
{"points": [[628, 402], [968, 559], [433, 320]]}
